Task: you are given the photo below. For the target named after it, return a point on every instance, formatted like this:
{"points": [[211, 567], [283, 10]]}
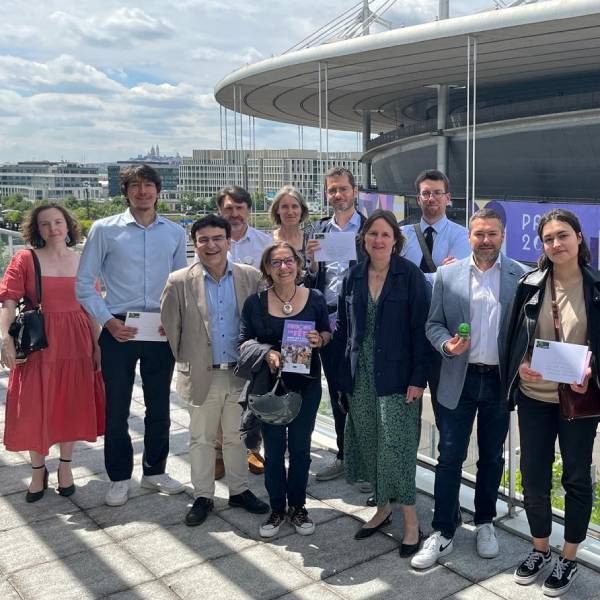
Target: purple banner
{"points": [[369, 201], [521, 220]]}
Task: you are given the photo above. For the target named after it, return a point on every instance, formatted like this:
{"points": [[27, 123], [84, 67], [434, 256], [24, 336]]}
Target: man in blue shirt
{"points": [[442, 243], [200, 311], [341, 191], [133, 253]]}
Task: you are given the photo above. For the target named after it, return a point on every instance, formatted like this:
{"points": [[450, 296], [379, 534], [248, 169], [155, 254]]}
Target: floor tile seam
{"points": [[43, 519], [476, 585], [14, 588], [201, 562], [60, 558]]}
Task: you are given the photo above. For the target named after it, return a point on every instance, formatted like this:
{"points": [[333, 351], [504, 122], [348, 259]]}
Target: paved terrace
{"points": [[75, 548]]}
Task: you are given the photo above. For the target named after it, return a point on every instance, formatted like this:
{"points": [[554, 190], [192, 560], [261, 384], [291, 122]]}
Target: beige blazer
{"points": [[184, 316]]}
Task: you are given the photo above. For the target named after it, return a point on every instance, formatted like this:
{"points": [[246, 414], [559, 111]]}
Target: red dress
{"points": [[57, 395]]}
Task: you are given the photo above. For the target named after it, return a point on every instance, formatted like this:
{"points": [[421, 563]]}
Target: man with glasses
{"points": [[433, 242], [341, 191], [200, 313]]}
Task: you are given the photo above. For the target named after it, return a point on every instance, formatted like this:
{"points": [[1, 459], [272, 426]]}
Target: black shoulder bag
{"points": [[28, 330]]}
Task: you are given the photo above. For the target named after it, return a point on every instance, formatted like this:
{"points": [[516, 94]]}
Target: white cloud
{"points": [[123, 26]]}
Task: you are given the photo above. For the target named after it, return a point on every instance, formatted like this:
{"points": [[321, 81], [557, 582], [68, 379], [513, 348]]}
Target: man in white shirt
{"points": [[247, 246], [247, 243], [476, 290]]}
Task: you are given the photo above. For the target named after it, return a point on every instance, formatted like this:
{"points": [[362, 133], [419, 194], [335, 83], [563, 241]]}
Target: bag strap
{"points": [[424, 248], [38, 279], [555, 311]]}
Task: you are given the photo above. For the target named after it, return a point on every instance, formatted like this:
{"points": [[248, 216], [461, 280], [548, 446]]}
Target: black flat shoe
{"points": [[70, 489], [372, 502], [35, 496], [248, 501], [199, 511], [365, 532], [407, 550]]}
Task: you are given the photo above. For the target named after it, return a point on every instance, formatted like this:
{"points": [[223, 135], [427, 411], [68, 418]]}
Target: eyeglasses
{"points": [[277, 263], [437, 194], [217, 239]]}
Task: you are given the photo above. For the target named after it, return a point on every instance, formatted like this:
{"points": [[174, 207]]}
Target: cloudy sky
{"points": [[103, 80]]}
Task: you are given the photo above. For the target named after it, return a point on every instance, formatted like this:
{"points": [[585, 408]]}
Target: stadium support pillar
{"points": [[444, 9], [442, 140], [366, 136]]}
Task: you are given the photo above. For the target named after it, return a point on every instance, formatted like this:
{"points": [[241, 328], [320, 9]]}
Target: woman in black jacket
{"points": [[382, 311], [564, 266]]}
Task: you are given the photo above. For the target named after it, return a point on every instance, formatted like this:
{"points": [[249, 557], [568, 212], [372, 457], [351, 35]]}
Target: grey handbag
{"points": [[273, 409]]}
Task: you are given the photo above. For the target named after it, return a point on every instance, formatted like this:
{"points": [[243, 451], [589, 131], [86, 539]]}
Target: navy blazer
{"points": [[402, 352]]}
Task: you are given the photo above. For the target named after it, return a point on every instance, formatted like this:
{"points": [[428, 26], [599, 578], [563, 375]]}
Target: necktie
{"points": [[429, 242]]}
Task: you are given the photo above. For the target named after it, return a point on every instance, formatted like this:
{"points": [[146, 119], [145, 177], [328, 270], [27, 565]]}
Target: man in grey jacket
{"points": [[477, 291]]}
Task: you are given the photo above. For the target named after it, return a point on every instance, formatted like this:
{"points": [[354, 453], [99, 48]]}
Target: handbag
{"points": [[273, 409], [28, 329], [572, 404]]}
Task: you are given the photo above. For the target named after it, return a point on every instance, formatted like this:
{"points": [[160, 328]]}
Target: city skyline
{"points": [[102, 82]]}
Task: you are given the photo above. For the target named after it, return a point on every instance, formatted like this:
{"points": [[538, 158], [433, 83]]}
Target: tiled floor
{"points": [[79, 548]]}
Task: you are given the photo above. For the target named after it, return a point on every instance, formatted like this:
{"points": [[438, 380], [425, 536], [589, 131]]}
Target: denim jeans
{"points": [[330, 366], [539, 426], [290, 488], [480, 397]]}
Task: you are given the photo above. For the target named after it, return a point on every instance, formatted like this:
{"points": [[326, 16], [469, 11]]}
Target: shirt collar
{"points": [[497, 265], [247, 236], [354, 220], [228, 271], [129, 218], [438, 226]]}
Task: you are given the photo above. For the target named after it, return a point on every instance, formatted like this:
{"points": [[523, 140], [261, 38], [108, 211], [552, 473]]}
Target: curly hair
{"points": [[31, 231]]}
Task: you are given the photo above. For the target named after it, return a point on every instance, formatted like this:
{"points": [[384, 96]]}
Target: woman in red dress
{"points": [[57, 395]]}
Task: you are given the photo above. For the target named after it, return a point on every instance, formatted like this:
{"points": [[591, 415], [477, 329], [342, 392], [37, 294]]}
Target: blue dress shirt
{"points": [[223, 314], [449, 239], [336, 271], [133, 261]]}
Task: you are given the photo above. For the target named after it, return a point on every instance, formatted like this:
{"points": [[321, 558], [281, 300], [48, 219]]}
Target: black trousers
{"points": [[539, 426], [330, 365], [119, 360]]}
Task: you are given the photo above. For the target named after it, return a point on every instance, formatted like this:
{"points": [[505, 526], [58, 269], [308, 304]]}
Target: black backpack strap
{"points": [[38, 278]]}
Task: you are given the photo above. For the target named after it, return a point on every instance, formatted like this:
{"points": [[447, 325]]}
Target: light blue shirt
{"points": [[335, 271], [449, 239], [133, 261], [223, 314]]}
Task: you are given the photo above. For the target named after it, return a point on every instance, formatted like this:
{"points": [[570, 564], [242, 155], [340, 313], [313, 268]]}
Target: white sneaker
{"points": [[162, 483], [118, 493], [272, 525], [487, 542], [333, 471], [435, 546], [365, 487]]}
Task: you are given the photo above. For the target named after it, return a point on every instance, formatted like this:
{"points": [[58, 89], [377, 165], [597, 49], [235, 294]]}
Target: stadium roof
{"points": [[387, 72]]}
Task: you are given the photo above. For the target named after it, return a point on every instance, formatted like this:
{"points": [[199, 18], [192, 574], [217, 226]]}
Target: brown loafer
{"points": [[219, 469], [256, 463]]}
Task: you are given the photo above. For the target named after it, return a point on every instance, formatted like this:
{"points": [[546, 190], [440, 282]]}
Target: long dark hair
{"points": [[584, 256]]}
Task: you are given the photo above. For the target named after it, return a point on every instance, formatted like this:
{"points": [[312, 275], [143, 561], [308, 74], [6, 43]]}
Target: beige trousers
{"points": [[220, 410]]}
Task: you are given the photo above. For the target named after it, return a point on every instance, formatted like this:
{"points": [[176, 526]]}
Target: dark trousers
{"points": [[330, 366], [539, 426], [433, 381], [119, 360], [480, 397], [290, 488]]}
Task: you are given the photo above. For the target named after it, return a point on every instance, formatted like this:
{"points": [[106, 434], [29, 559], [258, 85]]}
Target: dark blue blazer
{"points": [[402, 352]]}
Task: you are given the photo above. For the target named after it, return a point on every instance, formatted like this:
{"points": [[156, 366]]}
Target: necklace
{"points": [[287, 307]]}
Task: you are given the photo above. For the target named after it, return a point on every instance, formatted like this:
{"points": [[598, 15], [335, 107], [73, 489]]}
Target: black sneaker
{"points": [[271, 526], [561, 578], [527, 572], [299, 518]]}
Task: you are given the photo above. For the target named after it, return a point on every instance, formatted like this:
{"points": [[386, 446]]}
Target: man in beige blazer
{"points": [[200, 309]]}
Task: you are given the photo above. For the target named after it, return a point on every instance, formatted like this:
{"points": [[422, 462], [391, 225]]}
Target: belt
{"points": [[120, 317], [224, 366], [481, 368]]}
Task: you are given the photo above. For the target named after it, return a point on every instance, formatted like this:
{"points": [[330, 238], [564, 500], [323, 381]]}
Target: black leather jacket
{"points": [[524, 316]]}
